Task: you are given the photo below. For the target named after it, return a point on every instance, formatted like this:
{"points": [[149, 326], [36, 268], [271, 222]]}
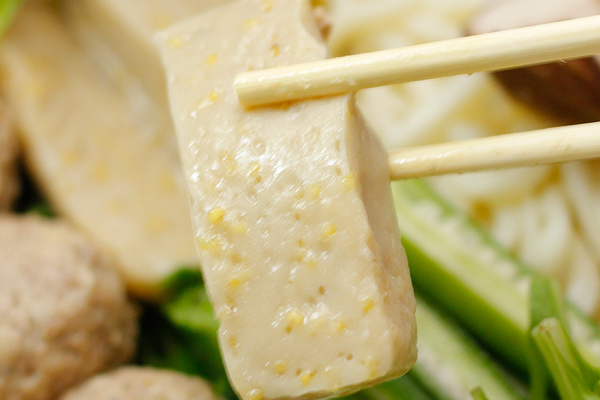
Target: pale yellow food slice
{"points": [[95, 162], [128, 28], [293, 213]]}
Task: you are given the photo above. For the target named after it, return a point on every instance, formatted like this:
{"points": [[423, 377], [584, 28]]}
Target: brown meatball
{"points": [[135, 383], [9, 180], [64, 313]]}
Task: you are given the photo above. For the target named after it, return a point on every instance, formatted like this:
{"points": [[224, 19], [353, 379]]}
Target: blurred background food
{"points": [[546, 214], [98, 153], [136, 383]]}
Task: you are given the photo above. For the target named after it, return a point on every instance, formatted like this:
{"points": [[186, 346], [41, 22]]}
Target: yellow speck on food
{"points": [[298, 256], [368, 304], [70, 157], [295, 318], [251, 22], [254, 169], [311, 263], [280, 367], [175, 42], [349, 182], [229, 160], [167, 182], [255, 172], [315, 191], [207, 101], [373, 367], [267, 5], [275, 50], [157, 224], [99, 173], [161, 21], [233, 341], [306, 377], [114, 206], [234, 283], [37, 89], [216, 215], [211, 59], [329, 230], [240, 228], [212, 246], [255, 394], [339, 326], [236, 258], [301, 243]]}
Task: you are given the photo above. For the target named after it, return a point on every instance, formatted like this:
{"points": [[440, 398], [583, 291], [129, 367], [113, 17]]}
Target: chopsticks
{"points": [[488, 52], [569, 143]]}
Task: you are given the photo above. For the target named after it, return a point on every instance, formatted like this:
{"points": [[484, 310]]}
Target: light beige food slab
{"points": [[294, 219], [94, 161]]}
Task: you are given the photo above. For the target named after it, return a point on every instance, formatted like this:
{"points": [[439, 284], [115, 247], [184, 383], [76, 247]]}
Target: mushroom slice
{"points": [[568, 91]]}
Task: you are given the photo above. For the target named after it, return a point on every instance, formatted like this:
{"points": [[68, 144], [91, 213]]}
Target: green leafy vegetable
{"points": [[478, 394], [545, 301], [451, 363], [459, 266], [404, 388], [573, 376], [8, 10]]}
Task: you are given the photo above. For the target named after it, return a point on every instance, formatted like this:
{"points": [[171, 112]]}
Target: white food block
{"points": [[293, 212]]}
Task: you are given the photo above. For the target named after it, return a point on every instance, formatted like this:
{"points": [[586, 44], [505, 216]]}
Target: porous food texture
{"points": [[292, 207]]}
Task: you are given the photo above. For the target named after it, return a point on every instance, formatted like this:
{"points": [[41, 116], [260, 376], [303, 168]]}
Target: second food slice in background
{"points": [[108, 172]]}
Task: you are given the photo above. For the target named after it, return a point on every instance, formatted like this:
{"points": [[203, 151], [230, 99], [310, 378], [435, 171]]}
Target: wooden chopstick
{"points": [[569, 143], [488, 52]]}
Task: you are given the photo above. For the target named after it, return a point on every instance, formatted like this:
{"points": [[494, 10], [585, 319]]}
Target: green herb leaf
{"points": [[8, 10], [404, 388], [478, 394], [545, 301], [573, 376]]}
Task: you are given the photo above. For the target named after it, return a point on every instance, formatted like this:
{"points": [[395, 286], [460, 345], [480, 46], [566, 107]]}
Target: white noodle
{"points": [[582, 190], [526, 209], [584, 281]]}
